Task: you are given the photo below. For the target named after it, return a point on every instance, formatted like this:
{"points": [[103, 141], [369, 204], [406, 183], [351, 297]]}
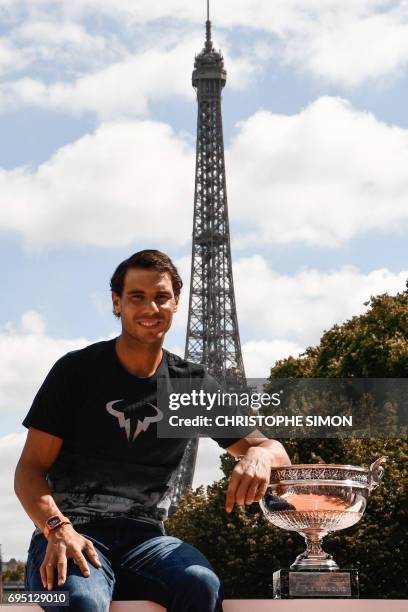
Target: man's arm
{"points": [[250, 477], [31, 487]]}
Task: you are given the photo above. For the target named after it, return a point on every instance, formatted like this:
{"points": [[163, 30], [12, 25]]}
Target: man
{"points": [[95, 478]]}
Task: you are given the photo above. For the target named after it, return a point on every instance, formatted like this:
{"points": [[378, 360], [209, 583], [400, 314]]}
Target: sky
{"points": [[97, 154]]}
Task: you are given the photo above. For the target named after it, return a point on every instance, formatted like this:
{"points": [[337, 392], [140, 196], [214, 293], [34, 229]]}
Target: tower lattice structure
{"points": [[212, 332]]}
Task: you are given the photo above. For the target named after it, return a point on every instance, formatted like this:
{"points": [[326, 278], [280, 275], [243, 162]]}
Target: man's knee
{"points": [[202, 582]]}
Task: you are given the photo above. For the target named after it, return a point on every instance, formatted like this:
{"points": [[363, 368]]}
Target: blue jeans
{"points": [[138, 562]]}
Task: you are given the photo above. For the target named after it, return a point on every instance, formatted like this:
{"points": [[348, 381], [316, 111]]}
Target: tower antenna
{"points": [[208, 41]]}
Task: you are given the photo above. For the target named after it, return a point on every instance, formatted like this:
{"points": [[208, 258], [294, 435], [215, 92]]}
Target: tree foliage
{"points": [[245, 549], [16, 575]]}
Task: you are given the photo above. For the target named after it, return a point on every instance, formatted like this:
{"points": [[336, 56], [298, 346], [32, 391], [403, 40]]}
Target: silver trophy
{"points": [[314, 500]]}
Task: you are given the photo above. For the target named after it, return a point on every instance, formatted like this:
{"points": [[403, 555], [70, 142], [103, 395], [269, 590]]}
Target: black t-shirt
{"points": [[110, 464]]}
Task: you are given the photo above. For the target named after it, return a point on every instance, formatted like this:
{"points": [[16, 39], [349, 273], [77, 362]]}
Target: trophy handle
{"points": [[377, 472]]}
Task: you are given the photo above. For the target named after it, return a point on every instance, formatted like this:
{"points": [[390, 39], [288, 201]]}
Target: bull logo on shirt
{"points": [[136, 417]]}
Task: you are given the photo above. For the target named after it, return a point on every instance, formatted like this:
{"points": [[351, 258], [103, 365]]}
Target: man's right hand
{"points": [[65, 543]]}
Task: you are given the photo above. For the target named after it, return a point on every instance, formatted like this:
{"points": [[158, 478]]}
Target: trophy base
{"points": [[316, 584]]}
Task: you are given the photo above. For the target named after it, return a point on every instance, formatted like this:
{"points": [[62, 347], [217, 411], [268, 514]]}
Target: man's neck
{"points": [[139, 359]]}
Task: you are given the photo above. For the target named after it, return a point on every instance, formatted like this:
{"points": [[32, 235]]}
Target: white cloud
{"points": [[121, 88], [334, 39], [129, 181], [260, 355], [208, 465], [58, 34], [337, 40], [12, 59], [51, 47], [284, 314], [349, 45], [15, 526], [297, 309], [31, 323], [26, 354], [320, 177], [258, 13], [64, 45]]}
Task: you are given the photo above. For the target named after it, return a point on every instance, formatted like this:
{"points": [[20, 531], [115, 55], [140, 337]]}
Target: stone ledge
{"points": [[265, 605]]}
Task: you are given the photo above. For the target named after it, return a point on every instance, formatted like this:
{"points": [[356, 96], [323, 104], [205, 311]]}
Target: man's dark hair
{"points": [[149, 259]]}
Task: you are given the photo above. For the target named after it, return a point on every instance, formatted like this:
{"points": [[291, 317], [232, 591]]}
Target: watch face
{"points": [[52, 522]]}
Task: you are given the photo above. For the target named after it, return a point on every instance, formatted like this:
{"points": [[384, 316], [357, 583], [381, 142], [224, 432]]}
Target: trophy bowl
{"points": [[317, 499]]}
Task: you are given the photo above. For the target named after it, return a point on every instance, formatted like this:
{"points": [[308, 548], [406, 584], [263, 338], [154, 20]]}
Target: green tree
{"points": [[245, 550], [16, 575]]}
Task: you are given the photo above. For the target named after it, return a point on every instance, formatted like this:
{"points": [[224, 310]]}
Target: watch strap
{"points": [[55, 522]]}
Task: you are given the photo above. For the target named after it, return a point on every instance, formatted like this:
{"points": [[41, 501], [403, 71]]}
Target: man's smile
{"points": [[148, 323]]}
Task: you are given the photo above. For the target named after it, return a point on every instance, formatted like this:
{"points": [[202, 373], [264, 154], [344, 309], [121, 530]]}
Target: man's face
{"points": [[146, 305]]}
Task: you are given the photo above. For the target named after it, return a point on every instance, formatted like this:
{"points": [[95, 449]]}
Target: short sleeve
{"points": [[233, 410], [48, 411]]}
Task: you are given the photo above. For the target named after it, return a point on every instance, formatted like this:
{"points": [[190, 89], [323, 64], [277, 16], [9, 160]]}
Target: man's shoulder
{"points": [[86, 355], [183, 368]]}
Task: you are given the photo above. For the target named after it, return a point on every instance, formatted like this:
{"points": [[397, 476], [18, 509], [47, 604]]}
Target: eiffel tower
{"points": [[212, 331]]}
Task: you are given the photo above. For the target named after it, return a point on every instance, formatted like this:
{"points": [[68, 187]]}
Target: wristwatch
{"points": [[54, 522]]}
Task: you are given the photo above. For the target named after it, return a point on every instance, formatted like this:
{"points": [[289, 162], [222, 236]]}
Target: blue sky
{"points": [[97, 124]]}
